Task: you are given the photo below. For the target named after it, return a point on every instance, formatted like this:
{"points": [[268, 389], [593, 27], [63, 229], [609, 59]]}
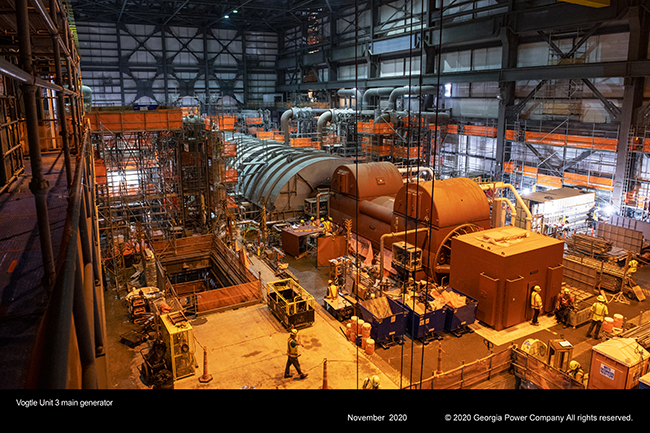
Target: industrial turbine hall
{"points": [[325, 194]]}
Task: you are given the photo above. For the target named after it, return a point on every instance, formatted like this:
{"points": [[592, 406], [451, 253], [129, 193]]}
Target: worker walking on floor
{"points": [[598, 313], [536, 304], [292, 355]]}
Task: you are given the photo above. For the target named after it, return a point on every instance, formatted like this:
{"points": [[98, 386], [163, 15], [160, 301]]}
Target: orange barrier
{"points": [[483, 131], [264, 135], [551, 181], [300, 142], [231, 176], [254, 121], [585, 142], [135, 121], [596, 182], [229, 150], [375, 128]]}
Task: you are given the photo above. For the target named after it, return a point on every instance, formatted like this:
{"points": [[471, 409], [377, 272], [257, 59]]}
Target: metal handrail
{"points": [[51, 358]]}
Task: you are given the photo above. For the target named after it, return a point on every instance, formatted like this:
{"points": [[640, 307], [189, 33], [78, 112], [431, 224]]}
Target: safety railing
{"points": [[70, 339]]}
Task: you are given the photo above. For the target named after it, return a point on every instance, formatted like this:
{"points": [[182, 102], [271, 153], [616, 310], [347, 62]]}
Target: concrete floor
{"points": [[246, 347]]}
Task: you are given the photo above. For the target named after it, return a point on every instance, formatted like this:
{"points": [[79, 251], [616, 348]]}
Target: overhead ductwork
{"points": [[350, 93], [373, 93], [408, 90]]}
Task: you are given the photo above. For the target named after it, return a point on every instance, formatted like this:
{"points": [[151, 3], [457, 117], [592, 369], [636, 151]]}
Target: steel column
{"points": [[39, 186]]}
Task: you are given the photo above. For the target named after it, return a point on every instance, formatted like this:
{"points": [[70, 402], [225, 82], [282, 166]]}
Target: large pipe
{"points": [[408, 90], [320, 126], [290, 113], [378, 91], [501, 185], [350, 92]]}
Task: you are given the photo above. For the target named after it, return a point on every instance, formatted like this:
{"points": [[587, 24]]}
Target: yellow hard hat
{"points": [[294, 332], [537, 288], [601, 298], [573, 365]]}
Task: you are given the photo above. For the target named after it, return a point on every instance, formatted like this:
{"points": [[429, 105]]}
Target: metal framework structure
{"points": [[40, 66]]}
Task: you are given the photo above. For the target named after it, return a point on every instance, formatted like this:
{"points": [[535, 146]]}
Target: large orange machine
{"points": [[383, 209], [499, 268]]}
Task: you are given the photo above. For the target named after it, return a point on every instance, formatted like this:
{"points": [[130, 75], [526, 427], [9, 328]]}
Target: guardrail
{"points": [[70, 339]]}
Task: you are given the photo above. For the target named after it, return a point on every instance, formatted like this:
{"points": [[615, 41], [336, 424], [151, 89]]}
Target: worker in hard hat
{"points": [[576, 371], [564, 305], [292, 355], [371, 382], [536, 304], [312, 221], [631, 270], [332, 290], [598, 313], [327, 225]]}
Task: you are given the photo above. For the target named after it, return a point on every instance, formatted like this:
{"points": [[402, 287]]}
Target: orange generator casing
{"points": [[377, 201], [499, 268]]}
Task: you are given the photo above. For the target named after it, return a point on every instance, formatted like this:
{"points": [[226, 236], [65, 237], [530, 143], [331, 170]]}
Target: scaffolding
{"points": [[552, 154], [636, 203]]}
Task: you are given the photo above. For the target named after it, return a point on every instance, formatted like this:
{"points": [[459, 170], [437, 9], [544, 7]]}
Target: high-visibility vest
{"points": [[292, 349], [599, 311], [536, 300]]}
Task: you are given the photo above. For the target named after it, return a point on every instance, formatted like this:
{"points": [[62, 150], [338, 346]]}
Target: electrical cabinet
{"points": [[178, 336], [499, 268]]}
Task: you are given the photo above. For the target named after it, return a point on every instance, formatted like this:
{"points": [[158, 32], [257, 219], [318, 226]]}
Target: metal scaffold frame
{"points": [[141, 190]]}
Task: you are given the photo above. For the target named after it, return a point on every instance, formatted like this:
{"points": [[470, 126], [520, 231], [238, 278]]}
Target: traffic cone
{"points": [[206, 377], [325, 385]]}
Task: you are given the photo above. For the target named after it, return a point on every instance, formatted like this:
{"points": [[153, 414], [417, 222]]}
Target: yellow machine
{"points": [[178, 336]]}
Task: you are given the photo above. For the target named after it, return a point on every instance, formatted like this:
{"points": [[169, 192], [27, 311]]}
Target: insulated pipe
{"points": [[513, 211], [378, 91], [350, 92], [290, 113], [387, 235], [320, 125], [284, 122], [407, 90], [500, 185]]}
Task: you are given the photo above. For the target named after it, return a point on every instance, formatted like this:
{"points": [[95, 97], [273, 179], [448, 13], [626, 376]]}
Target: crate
{"points": [[461, 317], [386, 316], [422, 325], [292, 305]]}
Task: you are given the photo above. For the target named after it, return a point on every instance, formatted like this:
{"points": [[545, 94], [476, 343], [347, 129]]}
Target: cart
{"points": [[457, 320], [154, 366], [292, 305], [424, 324], [387, 318]]}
